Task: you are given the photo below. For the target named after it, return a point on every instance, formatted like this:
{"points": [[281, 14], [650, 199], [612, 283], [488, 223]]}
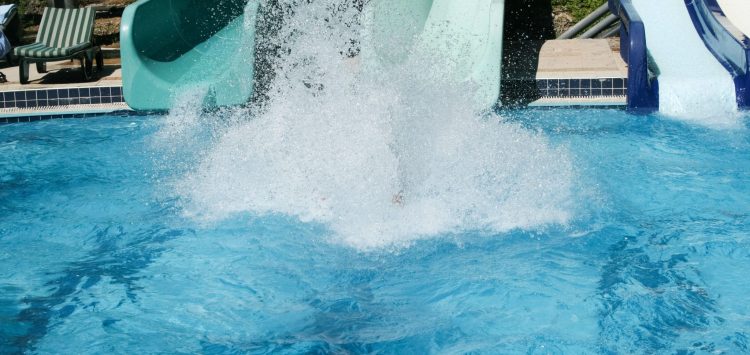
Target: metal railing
{"points": [[600, 23]]}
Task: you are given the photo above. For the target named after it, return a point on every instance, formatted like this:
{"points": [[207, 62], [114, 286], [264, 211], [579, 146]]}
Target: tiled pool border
{"points": [[53, 97], [584, 88], [572, 89]]}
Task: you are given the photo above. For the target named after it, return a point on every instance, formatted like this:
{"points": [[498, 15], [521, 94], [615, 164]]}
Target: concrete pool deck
{"points": [[569, 73]]}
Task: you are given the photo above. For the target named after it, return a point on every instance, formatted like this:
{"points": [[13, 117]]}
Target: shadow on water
{"points": [[650, 298], [119, 257]]}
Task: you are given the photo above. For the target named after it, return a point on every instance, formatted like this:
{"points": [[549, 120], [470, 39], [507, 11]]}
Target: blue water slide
{"points": [[643, 87], [730, 47]]}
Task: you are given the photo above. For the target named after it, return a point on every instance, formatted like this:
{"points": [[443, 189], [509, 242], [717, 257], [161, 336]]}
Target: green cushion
{"points": [[39, 50], [61, 33]]}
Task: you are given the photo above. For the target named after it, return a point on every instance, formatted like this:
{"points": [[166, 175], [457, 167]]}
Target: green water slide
{"points": [[174, 46], [466, 35]]}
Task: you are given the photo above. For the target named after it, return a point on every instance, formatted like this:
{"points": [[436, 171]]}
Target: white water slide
{"points": [[693, 85], [464, 35]]}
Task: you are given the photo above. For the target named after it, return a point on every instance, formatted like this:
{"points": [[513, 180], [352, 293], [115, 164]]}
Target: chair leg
{"points": [[99, 60], [87, 67], [23, 71], [41, 67]]}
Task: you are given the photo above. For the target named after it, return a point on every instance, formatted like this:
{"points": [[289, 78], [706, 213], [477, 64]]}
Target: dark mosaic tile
{"points": [[42, 102], [585, 83], [9, 96], [117, 91], [607, 84], [52, 94], [53, 102], [106, 91], [618, 92], [74, 93], [84, 92], [552, 83], [96, 92], [63, 93], [20, 95], [96, 100], [21, 104], [84, 100], [41, 94], [106, 99], [541, 84], [575, 83], [31, 95], [552, 93], [596, 92], [563, 84], [618, 83], [575, 92]]}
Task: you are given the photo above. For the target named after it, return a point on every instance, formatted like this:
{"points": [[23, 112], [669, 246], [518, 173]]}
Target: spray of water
{"points": [[382, 156]]}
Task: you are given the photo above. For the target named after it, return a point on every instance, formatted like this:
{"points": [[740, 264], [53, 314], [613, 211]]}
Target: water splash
{"points": [[383, 157]]}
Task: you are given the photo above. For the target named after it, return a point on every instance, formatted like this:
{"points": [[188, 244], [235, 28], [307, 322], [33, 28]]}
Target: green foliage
{"points": [[578, 8]]}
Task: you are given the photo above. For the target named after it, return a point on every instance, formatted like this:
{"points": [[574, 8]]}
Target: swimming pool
{"points": [[105, 247]]}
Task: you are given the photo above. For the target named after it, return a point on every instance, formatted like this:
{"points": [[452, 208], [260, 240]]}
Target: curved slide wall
{"points": [[466, 34], [173, 46]]}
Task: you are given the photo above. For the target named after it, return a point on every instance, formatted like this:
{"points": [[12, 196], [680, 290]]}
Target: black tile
{"points": [[606, 92], [552, 93], [31, 95], [42, 102], [2, 104], [62, 93], [31, 103], [618, 92], [96, 92], [21, 104], [74, 93], [563, 83], [552, 84], [596, 92], [52, 102], [106, 91], [575, 92], [84, 100], [585, 83], [596, 84], [119, 98], [575, 83], [607, 84], [51, 94], [41, 94], [96, 100], [116, 91], [618, 83], [20, 95], [84, 92], [563, 92], [625, 82], [106, 99], [9, 96], [74, 100]]}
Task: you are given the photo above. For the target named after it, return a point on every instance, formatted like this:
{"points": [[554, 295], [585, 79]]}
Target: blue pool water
{"points": [[104, 249]]}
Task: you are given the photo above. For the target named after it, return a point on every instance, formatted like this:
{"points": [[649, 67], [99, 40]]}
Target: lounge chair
{"points": [[63, 34]]}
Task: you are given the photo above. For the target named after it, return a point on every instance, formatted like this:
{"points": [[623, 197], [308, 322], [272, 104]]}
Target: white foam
{"points": [[382, 158]]}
